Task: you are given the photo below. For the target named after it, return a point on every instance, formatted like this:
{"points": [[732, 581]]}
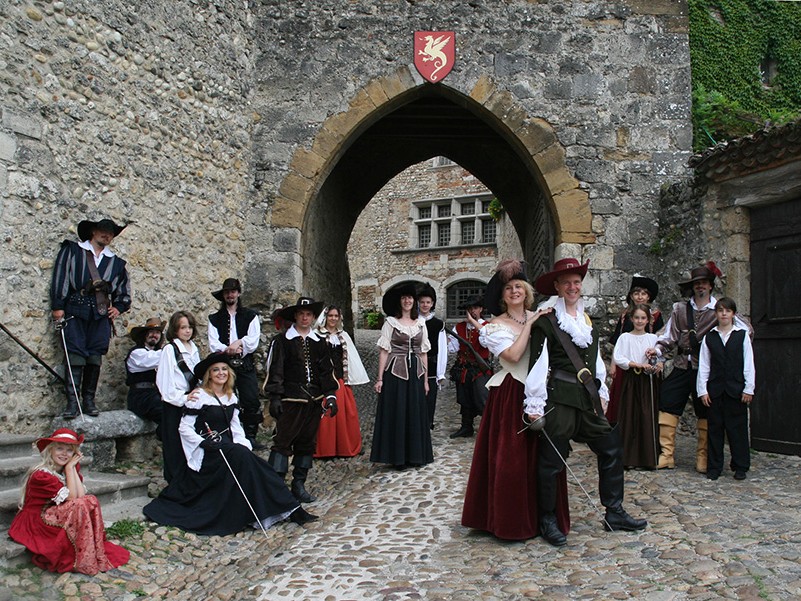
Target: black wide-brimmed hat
{"points": [[476, 301], [202, 367], [228, 284], [508, 270], [86, 227], [304, 302], [639, 281], [138, 333], [390, 304], [545, 283], [428, 290]]}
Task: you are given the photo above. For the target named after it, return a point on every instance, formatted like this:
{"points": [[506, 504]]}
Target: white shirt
{"points": [[704, 360], [143, 359], [170, 380], [250, 341], [710, 306], [190, 440], [442, 351], [630, 348], [106, 252], [537, 379]]}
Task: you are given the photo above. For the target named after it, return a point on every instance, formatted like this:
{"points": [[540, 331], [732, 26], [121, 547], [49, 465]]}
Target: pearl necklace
{"points": [[514, 319]]}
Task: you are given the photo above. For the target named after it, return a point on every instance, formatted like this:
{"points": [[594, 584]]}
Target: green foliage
{"points": [[126, 528], [731, 43], [372, 319], [496, 209]]}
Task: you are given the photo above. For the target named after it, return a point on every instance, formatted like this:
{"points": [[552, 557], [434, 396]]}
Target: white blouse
{"points": [[190, 439], [170, 380]]}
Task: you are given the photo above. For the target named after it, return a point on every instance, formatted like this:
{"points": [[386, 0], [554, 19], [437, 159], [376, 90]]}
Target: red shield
{"points": [[434, 53]]}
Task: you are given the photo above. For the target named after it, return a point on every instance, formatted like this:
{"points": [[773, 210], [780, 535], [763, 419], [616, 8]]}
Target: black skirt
{"points": [[402, 433], [210, 502]]}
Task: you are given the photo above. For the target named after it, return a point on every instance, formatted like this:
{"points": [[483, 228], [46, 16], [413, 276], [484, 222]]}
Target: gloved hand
{"points": [[209, 444], [331, 404], [276, 408]]}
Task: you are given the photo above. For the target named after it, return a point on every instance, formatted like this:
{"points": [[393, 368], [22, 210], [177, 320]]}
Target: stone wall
{"points": [[202, 122], [134, 111]]}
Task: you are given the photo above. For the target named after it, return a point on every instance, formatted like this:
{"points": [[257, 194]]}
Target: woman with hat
{"points": [[402, 433], [58, 522], [340, 436], [501, 496], [642, 291], [206, 498]]}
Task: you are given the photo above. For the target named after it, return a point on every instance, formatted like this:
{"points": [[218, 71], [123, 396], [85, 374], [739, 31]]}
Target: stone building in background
{"points": [[431, 223]]}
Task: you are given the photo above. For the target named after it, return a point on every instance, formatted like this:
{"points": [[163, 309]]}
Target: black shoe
{"points": [[463, 432], [549, 530], [300, 516], [618, 519], [71, 411], [739, 475], [300, 493], [89, 408]]}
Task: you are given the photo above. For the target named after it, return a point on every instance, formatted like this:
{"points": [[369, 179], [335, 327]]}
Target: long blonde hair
{"points": [[47, 463]]}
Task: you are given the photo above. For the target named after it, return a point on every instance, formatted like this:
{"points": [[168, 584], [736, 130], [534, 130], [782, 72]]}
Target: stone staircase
{"points": [[120, 496]]}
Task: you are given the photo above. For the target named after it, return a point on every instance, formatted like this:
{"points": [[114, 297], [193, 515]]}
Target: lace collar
{"points": [[293, 333], [411, 330], [61, 477], [576, 327]]}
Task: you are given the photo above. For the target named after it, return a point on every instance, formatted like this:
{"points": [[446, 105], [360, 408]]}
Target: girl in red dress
{"points": [[58, 522]]}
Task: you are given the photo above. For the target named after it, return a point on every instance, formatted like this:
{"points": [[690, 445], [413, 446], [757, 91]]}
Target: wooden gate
{"points": [[776, 315]]}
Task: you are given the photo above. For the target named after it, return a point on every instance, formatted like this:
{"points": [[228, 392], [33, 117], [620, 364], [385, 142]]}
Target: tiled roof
{"points": [[765, 149]]}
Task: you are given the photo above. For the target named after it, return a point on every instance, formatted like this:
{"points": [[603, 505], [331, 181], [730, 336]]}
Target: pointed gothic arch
{"points": [[400, 120]]}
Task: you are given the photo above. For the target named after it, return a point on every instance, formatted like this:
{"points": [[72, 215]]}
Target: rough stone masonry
{"points": [[210, 126]]}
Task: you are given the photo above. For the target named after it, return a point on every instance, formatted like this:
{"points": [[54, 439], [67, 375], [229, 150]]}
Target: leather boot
{"points": [[466, 430], [609, 451], [701, 450], [549, 530], [91, 375], [279, 462], [667, 439], [300, 471], [71, 411], [549, 466], [300, 517]]}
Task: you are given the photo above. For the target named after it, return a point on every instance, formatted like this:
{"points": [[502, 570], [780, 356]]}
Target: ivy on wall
{"points": [[746, 66]]}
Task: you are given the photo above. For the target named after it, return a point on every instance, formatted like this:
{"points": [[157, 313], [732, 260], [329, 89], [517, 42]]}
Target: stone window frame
{"points": [[425, 215]]}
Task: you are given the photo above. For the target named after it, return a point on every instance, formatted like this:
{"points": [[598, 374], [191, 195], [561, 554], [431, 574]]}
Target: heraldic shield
{"points": [[434, 53]]}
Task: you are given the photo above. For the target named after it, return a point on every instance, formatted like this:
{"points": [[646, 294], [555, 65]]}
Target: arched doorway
{"points": [[517, 158]]}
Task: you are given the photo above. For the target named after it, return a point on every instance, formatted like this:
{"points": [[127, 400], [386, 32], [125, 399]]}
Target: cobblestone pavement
{"points": [[394, 535]]}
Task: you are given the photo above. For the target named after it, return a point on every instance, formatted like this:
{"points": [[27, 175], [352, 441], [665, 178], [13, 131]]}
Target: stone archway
{"points": [[398, 121]]}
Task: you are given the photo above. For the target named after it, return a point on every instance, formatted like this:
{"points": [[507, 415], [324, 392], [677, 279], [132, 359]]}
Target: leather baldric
{"points": [[584, 376], [101, 297]]}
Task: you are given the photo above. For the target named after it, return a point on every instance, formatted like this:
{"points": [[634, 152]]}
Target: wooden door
{"points": [[776, 315]]}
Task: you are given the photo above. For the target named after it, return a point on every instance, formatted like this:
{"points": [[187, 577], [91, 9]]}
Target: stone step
{"points": [[108, 488], [13, 469], [17, 445]]}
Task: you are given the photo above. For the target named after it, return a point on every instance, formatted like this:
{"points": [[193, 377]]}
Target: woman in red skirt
{"points": [[340, 435], [58, 522]]}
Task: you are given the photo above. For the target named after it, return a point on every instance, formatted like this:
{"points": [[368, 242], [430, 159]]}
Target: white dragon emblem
{"points": [[433, 52]]}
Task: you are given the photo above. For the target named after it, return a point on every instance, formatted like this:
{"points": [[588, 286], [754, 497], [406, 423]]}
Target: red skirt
{"points": [[614, 396], [340, 436], [501, 495], [68, 537]]}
